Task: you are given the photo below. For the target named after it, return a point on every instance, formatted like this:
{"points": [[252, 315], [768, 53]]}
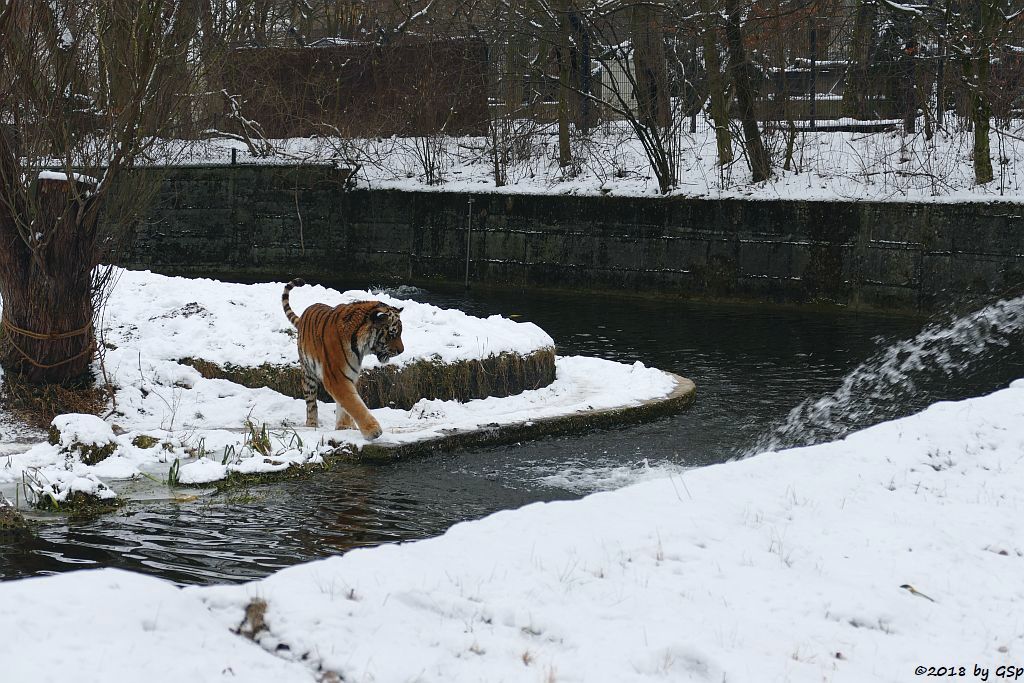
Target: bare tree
{"points": [[633, 35], [972, 30], [719, 97], [855, 101], [89, 87], [647, 31], [563, 49], [740, 70]]}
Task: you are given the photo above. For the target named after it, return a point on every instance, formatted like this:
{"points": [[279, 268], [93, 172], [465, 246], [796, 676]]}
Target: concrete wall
{"points": [[283, 221]]}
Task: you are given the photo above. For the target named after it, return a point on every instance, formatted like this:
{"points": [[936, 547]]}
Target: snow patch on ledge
{"points": [[77, 177], [169, 318]]}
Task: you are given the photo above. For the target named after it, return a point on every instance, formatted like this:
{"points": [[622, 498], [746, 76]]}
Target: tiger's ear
{"points": [[397, 309]]}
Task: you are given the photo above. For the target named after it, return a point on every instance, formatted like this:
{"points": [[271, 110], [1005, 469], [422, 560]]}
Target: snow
{"points": [[828, 165], [200, 428], [56, 175], [225, 323], [858, 560], [88, 430], [130, 628], [54, 485], [202, 471]]}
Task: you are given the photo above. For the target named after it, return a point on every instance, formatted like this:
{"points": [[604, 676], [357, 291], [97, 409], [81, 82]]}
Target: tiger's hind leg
{"points": [[309, 385]]}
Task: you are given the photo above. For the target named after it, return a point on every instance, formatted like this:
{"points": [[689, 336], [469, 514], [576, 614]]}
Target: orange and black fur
{"points": [[332, 344]]}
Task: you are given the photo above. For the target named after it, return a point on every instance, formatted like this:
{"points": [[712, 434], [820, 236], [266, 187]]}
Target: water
{"points": [[878, 388], [751, 365]]}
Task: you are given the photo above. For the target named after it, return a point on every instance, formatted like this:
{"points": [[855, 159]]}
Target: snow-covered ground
{"points": [[873, 558], [880, 166], [202, 427], [169, 318]]}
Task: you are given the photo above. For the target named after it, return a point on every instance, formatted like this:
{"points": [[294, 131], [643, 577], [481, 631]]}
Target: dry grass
{"points": [[37, 404], [500, 375], [254, 623]]}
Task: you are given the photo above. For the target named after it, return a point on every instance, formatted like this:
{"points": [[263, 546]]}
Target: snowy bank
{"points": [[827, 165], [239, 333], [168, 318], [860, 560], [170, 421]]}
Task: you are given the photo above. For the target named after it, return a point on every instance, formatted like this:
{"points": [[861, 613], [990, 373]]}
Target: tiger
{"points": [[332, 345]]}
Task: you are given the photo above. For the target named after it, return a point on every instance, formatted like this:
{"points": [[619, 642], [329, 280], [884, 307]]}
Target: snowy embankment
{"points": [[901, 546], [166, 413], [826, 165]]}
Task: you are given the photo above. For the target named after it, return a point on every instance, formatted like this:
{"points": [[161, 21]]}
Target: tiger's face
{"points": [[387, 330]]}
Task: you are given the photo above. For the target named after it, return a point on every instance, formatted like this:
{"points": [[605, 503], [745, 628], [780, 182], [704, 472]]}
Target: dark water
{"points": [[751, 365]]}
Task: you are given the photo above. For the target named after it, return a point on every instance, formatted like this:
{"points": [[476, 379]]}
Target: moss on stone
{"points": [[145, 441], [13, 525], [79, 505], [94, 454], [89, 453], [235, 480]]}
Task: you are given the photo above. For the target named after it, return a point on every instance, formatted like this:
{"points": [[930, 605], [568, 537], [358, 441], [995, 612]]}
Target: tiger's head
{"points": [[386, 326]]}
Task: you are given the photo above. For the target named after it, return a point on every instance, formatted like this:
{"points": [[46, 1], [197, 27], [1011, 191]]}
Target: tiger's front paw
{"points": [[372, 430]]}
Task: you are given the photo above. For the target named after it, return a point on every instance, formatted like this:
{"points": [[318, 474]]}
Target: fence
{"points": [[827, 62], [362, 88]]}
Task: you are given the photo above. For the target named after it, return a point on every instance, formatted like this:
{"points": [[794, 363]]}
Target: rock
{"points": [[12, 524], [86, 437], [145, 441]]}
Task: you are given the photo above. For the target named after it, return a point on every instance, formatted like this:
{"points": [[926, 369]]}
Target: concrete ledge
{"points": [[681, 398]]}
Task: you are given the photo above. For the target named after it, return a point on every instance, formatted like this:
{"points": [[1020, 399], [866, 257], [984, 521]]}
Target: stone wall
{"points": [[272, 221]]}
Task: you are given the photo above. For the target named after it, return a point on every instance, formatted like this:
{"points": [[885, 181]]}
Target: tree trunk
{"points": [[716, 87], [908, 78], [977, 71], [740, 68], [211, 50], [584, 113], [564, 151], [855, 93], [48, 334], [262, 22], [650, 67], [514, 67]]}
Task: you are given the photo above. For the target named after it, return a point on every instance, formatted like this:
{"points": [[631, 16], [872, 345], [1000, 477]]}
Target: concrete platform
{"points": [[680, 399]]}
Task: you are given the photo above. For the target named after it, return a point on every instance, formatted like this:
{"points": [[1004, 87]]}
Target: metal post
{"points": [[234, 156], [693, 71], [940, 95], [469, 237]]}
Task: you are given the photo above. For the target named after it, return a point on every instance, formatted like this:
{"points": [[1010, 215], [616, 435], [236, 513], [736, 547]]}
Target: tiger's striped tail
{"points": [[292, 318]]}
